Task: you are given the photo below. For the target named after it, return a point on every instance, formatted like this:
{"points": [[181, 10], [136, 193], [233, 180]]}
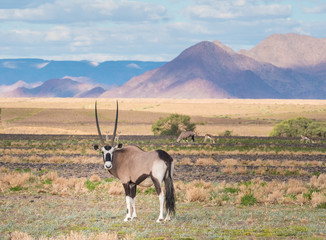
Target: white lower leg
{"points": [[128, 201], [167, 218], [161, 198], [133, 203]]}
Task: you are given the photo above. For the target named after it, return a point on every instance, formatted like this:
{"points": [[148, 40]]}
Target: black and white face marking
{"points": [[107, 152]]}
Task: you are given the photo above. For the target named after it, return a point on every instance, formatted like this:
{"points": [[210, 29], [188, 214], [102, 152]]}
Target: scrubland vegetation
{"points": [[243, 117], [45, 203], [46, 206], [54, 186]]}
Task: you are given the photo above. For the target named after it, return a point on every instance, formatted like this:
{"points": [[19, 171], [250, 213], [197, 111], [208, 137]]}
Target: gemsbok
{"points": [[116, 139], [306, 139], [210, 137], [185, 135], [132, 166]]}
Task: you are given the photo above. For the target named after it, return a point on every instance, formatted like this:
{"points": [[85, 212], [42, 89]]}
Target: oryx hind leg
{"points": [[157, 176]]}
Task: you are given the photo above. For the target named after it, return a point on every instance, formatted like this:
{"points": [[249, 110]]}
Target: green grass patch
{"points": [[231, 190], [248, 200], [91, 185], [16, 189]]}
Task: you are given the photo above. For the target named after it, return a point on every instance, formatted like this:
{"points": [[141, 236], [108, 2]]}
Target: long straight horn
{"points": [[97, 125], [115, 124]]}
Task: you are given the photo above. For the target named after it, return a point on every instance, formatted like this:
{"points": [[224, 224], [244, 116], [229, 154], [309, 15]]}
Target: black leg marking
{"points": [[141, 179], [157, 185], [130, 189], [133, 191], [127, 189]]}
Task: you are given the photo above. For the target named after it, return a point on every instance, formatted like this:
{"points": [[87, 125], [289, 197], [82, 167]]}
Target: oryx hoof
{"points": [[127, 219], [160, 220], [167, 219]]}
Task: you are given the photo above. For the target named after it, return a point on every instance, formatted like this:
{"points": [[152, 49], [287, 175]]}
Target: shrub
{"points": [[226, 133], [173, 125], [299, 126], [91, 185], [248, 200]]}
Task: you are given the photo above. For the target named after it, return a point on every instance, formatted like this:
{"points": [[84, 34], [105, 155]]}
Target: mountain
{"points": [[281, 66], [205, 70], [212, 70], [92, 93], [290, 51], [38, 70], [57, 88]]}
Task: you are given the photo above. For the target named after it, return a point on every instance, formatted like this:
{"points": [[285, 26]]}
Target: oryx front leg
{"points": [[130, 190], [128, 201]]}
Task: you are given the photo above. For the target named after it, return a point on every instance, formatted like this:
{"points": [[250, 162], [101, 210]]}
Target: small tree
{"points": [[173, 125], [299, 126]]}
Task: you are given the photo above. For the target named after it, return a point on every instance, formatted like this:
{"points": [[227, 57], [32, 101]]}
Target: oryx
{"points": [[185, 135], [132, 166], [210, 137], [116, 139], [306, 139]]}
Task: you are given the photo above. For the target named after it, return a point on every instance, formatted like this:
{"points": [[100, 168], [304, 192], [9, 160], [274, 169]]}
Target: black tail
{"points": [[169, 192]]}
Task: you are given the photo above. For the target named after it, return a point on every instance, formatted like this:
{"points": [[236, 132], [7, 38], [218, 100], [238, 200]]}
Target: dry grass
{"points": [[199, 107], [15, 179], [7, 157], [206, 161], [196, 191], [73, 236], [229, 162], [116, 189], [264, 171], [185, 161], [83, 211], [75, 116]]}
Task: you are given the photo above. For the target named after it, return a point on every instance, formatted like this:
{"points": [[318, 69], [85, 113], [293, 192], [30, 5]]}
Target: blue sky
{"points": [[154, 30]]}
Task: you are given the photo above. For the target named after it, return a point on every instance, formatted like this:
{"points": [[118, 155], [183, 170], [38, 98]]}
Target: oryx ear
{"points": [[95, 146], [119, 145]]}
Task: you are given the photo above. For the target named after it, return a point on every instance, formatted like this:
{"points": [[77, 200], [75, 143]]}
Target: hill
{"points": [[212, 70], [57, 88]]}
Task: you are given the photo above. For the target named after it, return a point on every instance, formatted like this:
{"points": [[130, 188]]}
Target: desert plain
{"points": [[244, 186]]}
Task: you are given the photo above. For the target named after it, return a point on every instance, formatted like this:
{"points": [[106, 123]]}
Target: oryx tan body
{"points": [[132, 166], [185, 135], [210, 137]]}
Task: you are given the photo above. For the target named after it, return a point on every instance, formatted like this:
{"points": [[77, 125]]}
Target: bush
{"points": [[226, 133], [173, 125], [248, 200], [299, 126]]}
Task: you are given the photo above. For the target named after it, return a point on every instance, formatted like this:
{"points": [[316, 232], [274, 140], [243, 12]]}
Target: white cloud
{"points": [[10, 65], [157, 30], [41, 65], [79, 79], [62, 11], [58, 33], [133, 65], [319, 9], [239, 9]]}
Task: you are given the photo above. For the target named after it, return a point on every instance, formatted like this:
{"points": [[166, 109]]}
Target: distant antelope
{"points": [[116, 138], [210, 137], [306, 139], [132, 166], [185, 135]]}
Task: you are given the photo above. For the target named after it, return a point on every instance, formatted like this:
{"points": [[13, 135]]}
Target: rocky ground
{"points": [[183, 172]]}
